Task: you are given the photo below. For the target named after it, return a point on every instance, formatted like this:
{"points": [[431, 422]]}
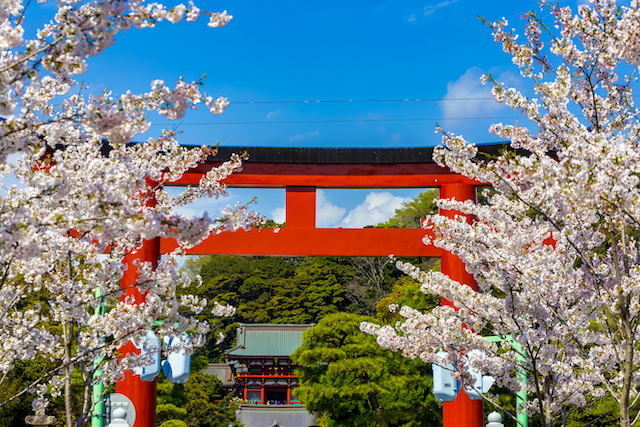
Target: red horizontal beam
{"points": [[407, 175], [314, 242], [265, 376]]}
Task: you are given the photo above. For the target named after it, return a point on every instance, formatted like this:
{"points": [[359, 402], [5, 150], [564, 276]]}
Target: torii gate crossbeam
{"points": [[300, 171]]}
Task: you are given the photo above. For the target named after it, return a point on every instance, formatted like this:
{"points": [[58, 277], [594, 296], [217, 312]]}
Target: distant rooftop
{"points": [[270, 340], [277, 415], [222, 371]]}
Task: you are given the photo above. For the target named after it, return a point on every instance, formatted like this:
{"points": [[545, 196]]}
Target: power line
{"points": [[425, 119], [326, 101], [319, 101]]}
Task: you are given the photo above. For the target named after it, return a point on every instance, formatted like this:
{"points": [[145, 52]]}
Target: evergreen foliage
{"points": [[24, 373], [197, 403], [346, 376], [406, 291]]}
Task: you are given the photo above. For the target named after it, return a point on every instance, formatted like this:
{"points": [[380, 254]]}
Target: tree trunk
{"points": [[87, 406], [548, 399], [373, 400], [625, 419], [67, 373], [624, 302]]}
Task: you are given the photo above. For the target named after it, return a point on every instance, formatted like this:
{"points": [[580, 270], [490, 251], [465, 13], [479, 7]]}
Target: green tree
{"points": [[197, 403], [205, 407], [352, 381], [410, 213], [170, 402], [287, 289], [26, 372], [317, 289], [406, 291], [604, 412], [23, 374], [173, 423]]}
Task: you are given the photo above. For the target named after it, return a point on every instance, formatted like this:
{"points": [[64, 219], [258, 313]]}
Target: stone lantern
{"points": [[40, 419]]}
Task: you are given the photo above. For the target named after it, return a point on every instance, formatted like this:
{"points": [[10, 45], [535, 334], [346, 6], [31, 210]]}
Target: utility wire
{"points": [[425, 119], [362, 100], [326, 101]]}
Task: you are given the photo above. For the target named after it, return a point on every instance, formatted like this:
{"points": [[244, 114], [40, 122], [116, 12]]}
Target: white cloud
{"points": [[212, 206], [327, 214], [304, 135], [428, 10], [279, 215], [376, 208], [509, 79], [412, 17], [469, 86], [272, 114]]}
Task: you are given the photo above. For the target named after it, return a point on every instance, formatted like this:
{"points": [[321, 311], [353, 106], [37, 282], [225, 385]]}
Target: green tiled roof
{"points": [[267, 340]]}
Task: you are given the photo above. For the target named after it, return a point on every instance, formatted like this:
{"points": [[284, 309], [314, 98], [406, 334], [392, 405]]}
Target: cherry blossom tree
{"points": [[89, 198], [556, 250]]}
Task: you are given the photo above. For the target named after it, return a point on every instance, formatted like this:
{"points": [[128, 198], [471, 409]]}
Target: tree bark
{"points": [[625, 418], [373, 400], [67, 374], [628, 332], [548, 400]]}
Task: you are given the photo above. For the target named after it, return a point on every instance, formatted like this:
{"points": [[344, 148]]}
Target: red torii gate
{"points": [[300, 171]]}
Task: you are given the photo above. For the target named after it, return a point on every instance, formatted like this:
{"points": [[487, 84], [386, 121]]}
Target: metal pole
{"points": [[521, 414], [522, 394], [97, 417]]}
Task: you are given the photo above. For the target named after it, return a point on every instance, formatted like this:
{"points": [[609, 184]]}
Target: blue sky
{"points": [[308, 51], [279, 54]]}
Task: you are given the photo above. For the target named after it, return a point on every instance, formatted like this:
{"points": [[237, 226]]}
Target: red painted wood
{"points": [[142, 394], [314, 242], [408, 175], [256, 375], [301, 207], [462, 412]]}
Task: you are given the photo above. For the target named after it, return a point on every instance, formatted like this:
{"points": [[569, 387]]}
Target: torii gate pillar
{"points": [[141, 393], [462, 412]]}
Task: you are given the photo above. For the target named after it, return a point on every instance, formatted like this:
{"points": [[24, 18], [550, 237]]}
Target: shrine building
{"points": [[264, 375], [262, 354]]}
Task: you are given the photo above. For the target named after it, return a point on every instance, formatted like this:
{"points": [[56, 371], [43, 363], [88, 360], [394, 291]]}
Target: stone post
{"points": [[495, 420]]}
